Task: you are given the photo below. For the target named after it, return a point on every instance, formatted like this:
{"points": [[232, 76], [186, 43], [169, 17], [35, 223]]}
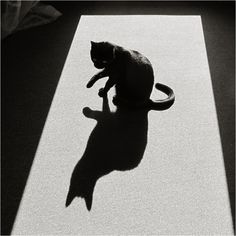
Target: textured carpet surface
{"points": [[180, 185]]}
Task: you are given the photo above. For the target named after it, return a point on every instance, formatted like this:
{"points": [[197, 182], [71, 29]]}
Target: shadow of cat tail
{"points": [[164, 103]]}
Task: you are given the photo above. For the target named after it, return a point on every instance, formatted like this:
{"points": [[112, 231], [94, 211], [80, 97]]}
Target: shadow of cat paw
{"points": [[87, 111]]}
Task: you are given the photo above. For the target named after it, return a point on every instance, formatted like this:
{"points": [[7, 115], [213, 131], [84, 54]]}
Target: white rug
{"points": [[180, 185]]}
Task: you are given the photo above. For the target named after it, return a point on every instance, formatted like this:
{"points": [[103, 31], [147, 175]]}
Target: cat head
{"points": [[102, 54]]}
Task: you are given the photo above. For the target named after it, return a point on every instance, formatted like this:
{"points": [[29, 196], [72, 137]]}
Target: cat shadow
{"points": [[117, 142]]}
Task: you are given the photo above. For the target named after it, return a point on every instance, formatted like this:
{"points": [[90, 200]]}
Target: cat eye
{"points": [[94, 60], [104, 62]]}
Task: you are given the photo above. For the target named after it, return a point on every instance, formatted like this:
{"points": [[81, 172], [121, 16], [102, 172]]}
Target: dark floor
{"points": [[32, 62]]}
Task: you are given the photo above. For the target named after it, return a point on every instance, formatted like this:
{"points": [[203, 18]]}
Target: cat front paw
{"points": [[91, 81], [102, 92]]}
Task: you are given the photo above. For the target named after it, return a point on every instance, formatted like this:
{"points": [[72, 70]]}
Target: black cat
{"points": [[131, 73], [119, 139]]}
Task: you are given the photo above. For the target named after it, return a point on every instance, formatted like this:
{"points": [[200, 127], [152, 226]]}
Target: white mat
{"points": [[180, 185]]}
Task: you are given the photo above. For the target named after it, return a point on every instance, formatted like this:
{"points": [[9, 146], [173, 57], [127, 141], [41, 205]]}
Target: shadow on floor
{"points": [[117, 142], [32, 62]]}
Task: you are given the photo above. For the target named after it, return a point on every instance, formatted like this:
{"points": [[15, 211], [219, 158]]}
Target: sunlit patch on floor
{"points": [[180, 185]]}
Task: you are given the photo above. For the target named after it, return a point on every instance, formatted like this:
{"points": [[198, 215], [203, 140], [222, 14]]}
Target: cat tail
{"points": [[81, 186], [164, 103]]}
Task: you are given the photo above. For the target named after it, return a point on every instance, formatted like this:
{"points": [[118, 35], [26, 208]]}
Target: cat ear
{"points": [[92, 43]]}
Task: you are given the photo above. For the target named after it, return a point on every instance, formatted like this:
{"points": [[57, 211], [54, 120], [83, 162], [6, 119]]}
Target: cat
{"points": [[132, 75]]}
